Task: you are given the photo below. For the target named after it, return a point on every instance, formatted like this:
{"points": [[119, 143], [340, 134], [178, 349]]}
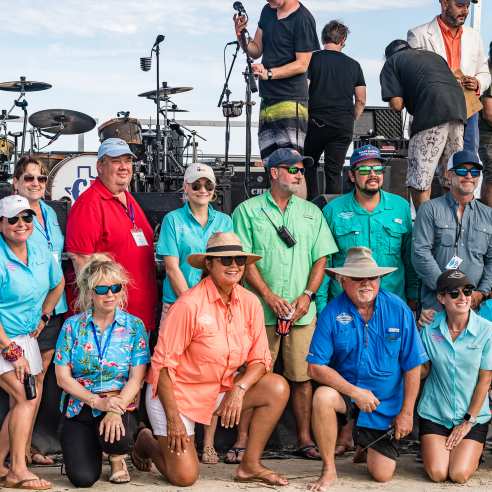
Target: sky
{"points": [[89, 51]]}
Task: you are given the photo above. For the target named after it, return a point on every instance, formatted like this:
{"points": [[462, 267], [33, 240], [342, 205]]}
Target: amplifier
{"points": [[258, 184], [379, 121]]}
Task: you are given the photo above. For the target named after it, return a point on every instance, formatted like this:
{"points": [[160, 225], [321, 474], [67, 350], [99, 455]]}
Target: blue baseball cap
{"points": [[114, 147], [287, 157], [365, 153], [464, 157]]}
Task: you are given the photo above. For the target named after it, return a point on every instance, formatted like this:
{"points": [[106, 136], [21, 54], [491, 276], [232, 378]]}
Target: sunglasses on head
{"points": [[455, 293], [27, 218], [463, 171], [366, 170], [227, 260], [293, 169], [208, 185], [102, 290], [357, 279], [28, 178]]}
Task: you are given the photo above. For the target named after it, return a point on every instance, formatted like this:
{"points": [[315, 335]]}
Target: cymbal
{"points": [[62, 121], [164, 92], [9, 117], [24, 86], [170, 109]]}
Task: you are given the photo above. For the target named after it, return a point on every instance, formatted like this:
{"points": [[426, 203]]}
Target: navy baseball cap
{"points": [[464, 2], [365, 153], [464, 157], [287, 157], [114, 147]]}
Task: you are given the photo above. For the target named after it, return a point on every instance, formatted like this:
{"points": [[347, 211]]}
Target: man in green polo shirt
{"points": [[293, 239]]}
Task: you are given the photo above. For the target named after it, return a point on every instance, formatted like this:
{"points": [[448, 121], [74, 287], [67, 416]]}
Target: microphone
{"points": [[240, 8], [145, 63], [158, 40]]}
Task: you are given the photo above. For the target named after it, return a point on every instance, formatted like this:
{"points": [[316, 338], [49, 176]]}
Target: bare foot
{"points": [[328, 477], [139, 460]]}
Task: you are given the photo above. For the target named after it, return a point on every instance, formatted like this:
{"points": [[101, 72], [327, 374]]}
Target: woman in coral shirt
{"points": [[209, 333]]}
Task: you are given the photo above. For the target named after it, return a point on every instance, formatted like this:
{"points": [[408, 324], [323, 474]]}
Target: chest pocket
{"points": [[347, 234], [393, 237], [480, 240], [445, 234], [388, 352]]}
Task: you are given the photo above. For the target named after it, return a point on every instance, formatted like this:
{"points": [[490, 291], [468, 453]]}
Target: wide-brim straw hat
{"points": [[222, 244], [359, 263]]}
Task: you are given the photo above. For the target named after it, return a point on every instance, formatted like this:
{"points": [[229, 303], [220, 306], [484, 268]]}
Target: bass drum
{"points": [[6, 149], [71, 177]]}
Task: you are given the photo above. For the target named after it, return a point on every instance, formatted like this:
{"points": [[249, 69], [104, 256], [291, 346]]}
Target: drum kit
{"points": [[160, 161]]}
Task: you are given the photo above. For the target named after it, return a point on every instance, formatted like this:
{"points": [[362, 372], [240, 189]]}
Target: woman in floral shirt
{"points": [[101, 357]]}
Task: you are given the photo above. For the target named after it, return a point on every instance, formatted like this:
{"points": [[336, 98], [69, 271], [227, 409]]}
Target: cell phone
{"points": [[30, 386]]}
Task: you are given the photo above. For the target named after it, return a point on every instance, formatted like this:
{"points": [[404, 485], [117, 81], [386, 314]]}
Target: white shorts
{"points": [[157, 415], [31, 353]]}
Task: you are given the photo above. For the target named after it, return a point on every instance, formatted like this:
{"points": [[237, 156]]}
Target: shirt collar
{"points": [[269, 198], [211, 212], [104, 193], [119, 317], [384, 203], [447, 30], [454, 204], [471, 327], [354, 309], [213, 293]]}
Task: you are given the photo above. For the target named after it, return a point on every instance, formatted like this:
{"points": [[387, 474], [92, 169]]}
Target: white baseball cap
{"points": [[11, 205], [197, 170]]}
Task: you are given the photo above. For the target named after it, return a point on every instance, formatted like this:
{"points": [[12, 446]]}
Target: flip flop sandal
{"points": [[263, 477], [305, 454], [236, 460], [120, 476], [23, 485], [209, 456]]}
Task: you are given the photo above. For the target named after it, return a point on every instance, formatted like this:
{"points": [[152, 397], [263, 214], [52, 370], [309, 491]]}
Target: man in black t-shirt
{"points": [[485, 148], [422, 82], [285, 38], [335, 80]]}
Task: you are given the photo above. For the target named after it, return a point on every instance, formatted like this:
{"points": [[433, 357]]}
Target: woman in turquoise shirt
{"points": [[29, 181], [31, 283], [454, 407], [185, 231]]}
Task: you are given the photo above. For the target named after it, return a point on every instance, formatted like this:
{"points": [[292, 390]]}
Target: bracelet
{"points": [[12, 352]]}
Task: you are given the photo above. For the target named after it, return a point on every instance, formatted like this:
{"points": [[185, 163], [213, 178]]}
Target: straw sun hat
{"points": [[222, 244], [360, 264]]}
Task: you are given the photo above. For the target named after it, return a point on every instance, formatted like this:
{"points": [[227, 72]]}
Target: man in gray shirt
{"points": [[454, 231]]}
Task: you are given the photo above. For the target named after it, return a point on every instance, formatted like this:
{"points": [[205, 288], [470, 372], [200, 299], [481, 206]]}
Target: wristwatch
{"points": [[270, 74], [45, 318], [310, 294], [242, 386], [469, 418]]}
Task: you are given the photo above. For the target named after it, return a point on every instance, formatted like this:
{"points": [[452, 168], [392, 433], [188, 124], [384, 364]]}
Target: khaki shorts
{"points": [[295, 348]]}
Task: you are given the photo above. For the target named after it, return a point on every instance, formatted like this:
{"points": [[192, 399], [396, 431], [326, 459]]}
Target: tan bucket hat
{"points": [[360, 264], [222, 244]]}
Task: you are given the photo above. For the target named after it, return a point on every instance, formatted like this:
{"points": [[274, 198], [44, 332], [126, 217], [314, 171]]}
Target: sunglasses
{"points": [[366, 170], [455, 293], [102, 290], [27, 218], [42, 179], [357, 279], [463, 171], [228, 260], [196, 186], [293, 169]]}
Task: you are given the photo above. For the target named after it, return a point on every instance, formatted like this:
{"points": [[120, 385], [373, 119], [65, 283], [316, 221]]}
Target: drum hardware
{"points": [[7, 117], [164, 92]]}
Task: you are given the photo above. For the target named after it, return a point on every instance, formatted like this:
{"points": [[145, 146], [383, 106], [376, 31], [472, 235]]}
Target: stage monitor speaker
{"points": [[379, 121], [258, 184]]}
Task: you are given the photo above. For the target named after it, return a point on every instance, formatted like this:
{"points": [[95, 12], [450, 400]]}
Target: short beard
{"points": [[452, 21], [367, 192], [293, 189]]}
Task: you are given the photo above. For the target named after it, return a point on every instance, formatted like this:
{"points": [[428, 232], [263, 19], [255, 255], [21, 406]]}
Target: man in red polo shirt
{"points": [[107, 219]]}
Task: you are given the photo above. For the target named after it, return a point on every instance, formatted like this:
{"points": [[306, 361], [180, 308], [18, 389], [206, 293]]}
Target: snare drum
{"points": [[6, 149], [128, 129]]}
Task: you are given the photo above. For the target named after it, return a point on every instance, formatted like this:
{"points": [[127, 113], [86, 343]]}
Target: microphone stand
{"points": [[158, 106], [250, 88]]}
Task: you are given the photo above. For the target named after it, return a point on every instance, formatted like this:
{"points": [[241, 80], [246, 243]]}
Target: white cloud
{"points": [[359, 6]]}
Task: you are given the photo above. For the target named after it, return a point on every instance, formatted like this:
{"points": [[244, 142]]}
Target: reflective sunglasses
{"points": [[463, 171], [208, 185], [455, 293], [227, 260], [293, 169], [366, 170], [357, 279], [102, 290], [27, 218], [42, 179]]}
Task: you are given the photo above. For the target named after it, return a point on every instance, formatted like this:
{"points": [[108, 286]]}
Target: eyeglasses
{"points": [[357, 279], [102, 290], [463, 171], [27, 218], [455, 293], [228, 260], [41, 179], [366, 170], [208, 185], [293, 169]]}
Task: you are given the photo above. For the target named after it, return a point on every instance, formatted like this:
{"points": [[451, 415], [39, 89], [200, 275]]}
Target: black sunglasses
{"points": [[102, 290], [227, 260], [27, 218], [28, 178], [455, 293], [293, 169], [209, 186], [463, 171], [357, 279]]}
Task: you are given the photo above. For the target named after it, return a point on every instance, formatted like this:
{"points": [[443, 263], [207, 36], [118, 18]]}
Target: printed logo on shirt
{"points": [[206, 319], [11, 267], [346, 215], [398, 221], [393, 330], [437, 337], [344, 318]]}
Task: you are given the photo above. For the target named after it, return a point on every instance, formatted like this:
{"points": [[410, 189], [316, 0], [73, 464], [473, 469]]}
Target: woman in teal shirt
{"points": [[454, 408], [185, 231], [29, 181]]}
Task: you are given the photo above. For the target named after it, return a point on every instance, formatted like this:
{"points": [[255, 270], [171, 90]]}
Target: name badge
{"points": [[139, 237], [55, 256], [454, 263]]}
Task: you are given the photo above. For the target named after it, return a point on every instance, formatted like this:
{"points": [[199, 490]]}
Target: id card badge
{"points": [[139, 237], [454, 263], [56, 256]]}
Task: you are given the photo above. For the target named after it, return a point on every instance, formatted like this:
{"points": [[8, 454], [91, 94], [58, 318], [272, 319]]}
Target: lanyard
{"points": [[131, 214], [45, 231], [98, 345]]}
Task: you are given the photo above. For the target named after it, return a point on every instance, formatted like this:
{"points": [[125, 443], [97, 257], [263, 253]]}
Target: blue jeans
{"points": [[471, 137]]}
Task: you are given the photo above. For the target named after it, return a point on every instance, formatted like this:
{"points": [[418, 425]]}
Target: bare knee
{"points": [[182, 477], [325, 397], [278, 387], [380, 475], [459, 475], [436, 474]]}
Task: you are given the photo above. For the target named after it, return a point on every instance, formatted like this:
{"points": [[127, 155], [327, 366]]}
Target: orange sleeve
{"points": [[259, 353]]}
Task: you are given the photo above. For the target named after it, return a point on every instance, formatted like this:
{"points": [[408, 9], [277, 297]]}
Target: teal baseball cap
{"points": [[114, 147]]}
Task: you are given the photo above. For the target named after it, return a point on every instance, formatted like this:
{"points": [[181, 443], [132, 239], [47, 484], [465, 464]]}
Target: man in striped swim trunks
{"points": [[285, 38]]}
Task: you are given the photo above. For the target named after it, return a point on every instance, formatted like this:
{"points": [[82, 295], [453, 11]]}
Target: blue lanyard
{"points": [[46, 232], [98, 345], [131, 214]]}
